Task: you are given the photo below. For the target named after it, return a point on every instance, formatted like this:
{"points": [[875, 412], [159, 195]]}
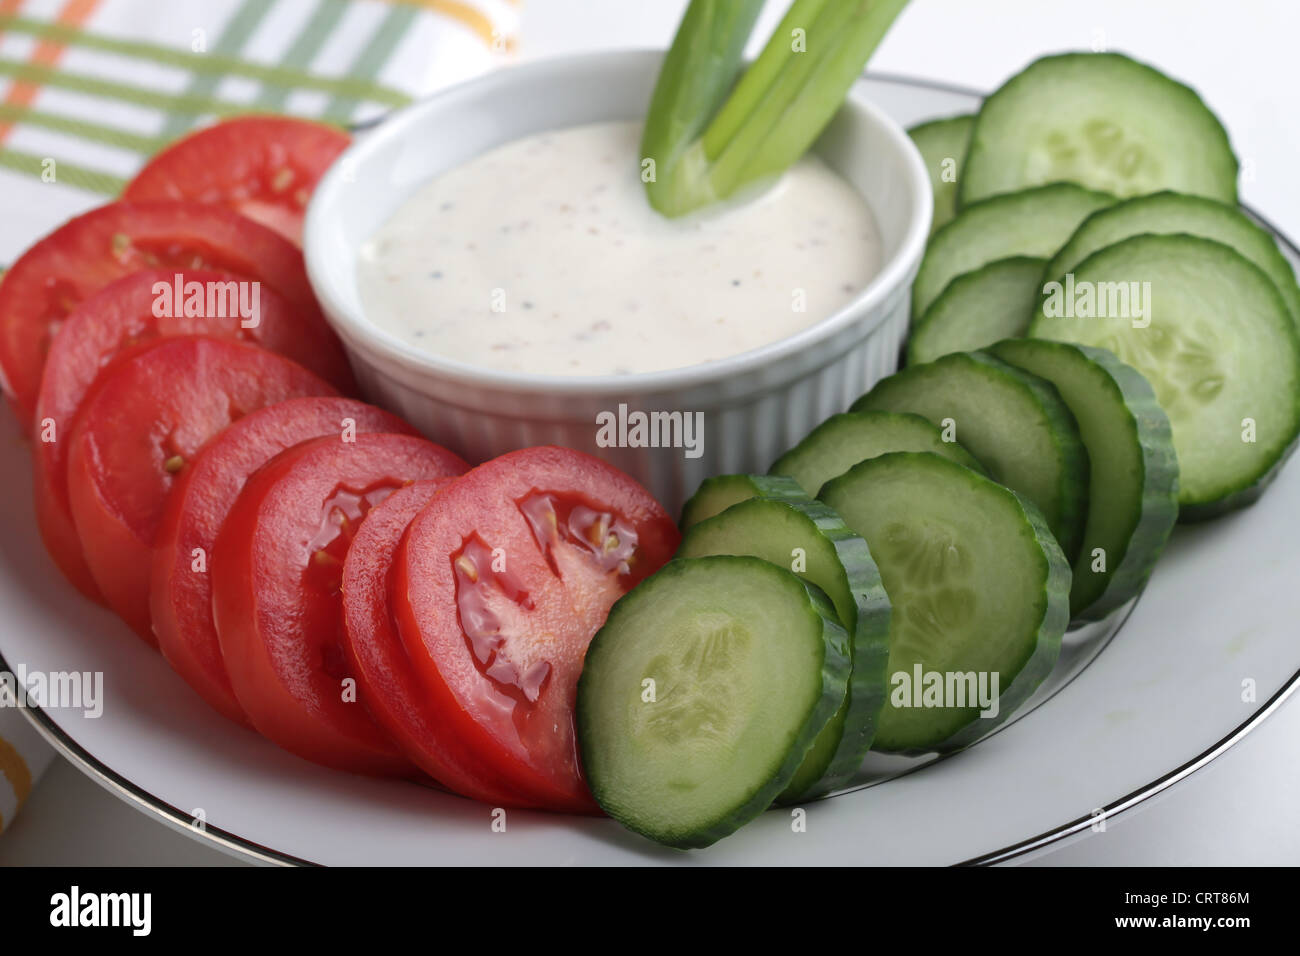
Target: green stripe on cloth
{"points": [[281, 76], [371, 59], [237, 33], [181, 105], [66, 173], [181, 110], [323, 20], [82, 129]]}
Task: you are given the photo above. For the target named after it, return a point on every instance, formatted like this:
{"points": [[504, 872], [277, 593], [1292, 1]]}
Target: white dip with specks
{"points": [[544, 256]]}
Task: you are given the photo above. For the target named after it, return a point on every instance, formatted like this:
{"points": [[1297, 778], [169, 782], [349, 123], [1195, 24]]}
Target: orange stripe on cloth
{"points": [[466, 15], [47, 53], [14, 769]]}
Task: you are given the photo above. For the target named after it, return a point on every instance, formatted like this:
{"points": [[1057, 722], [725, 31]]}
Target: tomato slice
{"points": [[122, 315], [277, 570], [264, 167], [145, 418], [392, 691], [180, 597], [85, 254], [497, 589]]}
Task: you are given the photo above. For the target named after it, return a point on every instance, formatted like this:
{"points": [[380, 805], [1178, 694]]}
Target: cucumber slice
{"points": [[977, 582], [1102, 120], [1014, 423], [702, 694], [942, 144], [1220, 350], [715, 495], [1134, 471], [812, 541], [1170, 212], [1035, 222], [978, 308], [843, 440]]}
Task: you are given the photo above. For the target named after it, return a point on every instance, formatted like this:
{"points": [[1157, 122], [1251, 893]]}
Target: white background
{"points": [[1242, 57]]}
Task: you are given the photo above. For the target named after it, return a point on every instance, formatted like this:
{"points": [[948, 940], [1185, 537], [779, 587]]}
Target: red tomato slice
{"points": [[497, 589], [277, 568], [265, 167], [121, 315], [145, 418], [180, 597], [85, 254], [393, 694]]}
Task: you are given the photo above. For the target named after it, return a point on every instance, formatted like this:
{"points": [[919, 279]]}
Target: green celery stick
{"points": [[696, 76], [783, 71], [781, 104]]}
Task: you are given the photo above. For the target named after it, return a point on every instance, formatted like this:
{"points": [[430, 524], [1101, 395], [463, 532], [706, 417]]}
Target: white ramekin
{"points": [[755, 404]]}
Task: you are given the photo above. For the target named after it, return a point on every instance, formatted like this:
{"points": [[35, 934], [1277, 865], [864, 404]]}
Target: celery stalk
{"points": [[769, 85], [696, 76], [779, 107]]}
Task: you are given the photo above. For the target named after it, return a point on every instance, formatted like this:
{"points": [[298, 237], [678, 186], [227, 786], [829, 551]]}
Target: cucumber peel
{"points": [[1133, 485], [843, 440], [813, 542], [978, 586], [1033, 222], [1168, 213], [1013, 422], [715, 495], [993, 302], [1217, 344], [1100, 119], [942, 143], [702, 694]]}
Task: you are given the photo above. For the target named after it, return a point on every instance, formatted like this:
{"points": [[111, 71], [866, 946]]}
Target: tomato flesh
{"points": [[498, 588], [180, 598], [264, 167], [394, 695], [142, 423], [87, 253], [119, 316], [277, 571]]}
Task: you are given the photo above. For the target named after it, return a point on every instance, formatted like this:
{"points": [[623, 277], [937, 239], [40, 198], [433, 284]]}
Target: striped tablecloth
{"points": [[89, 89]]}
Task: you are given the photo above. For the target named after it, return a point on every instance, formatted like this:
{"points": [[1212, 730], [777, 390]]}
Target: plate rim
{"points": [[250, 850]]}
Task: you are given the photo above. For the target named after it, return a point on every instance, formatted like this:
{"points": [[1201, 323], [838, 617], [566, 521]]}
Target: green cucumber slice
{"points": [[1034, 222], [1169, 212], [1013, 422], [702, 694], [1218, 346], [715, 495], [843, 440], [812, 541], [1134, 471], [989, 304], [1102, 120], [978, 586], [942, 144]]}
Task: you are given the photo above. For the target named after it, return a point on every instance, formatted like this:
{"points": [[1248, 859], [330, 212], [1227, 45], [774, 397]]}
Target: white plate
{"points": [[1165, 696]]}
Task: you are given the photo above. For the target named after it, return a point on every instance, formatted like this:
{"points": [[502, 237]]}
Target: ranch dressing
{"points": [[544, 256]]}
